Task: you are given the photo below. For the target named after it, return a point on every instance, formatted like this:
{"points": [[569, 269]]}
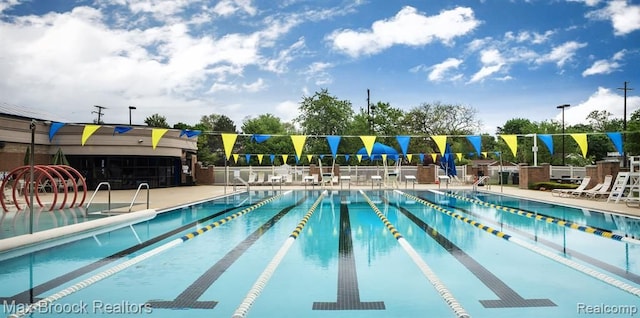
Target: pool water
{"points": [[344, 263]]}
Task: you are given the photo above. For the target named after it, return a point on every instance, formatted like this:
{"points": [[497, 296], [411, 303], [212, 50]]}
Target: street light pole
{"points": [[624, 123], [563, 107], [130, 109]]}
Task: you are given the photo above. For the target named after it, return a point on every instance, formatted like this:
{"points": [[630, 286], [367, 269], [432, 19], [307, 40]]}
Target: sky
{"points": [[185, 59]]}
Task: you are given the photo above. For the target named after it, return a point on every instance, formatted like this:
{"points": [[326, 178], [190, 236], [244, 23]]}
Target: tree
{"points": [[323, 114], [600, 121], [632, 142], [212, 144], [518, 126], [157, 121], [182, 126], [442, 119], [267, 124]]}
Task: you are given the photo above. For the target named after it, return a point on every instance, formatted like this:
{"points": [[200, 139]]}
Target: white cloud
{"points": [[74, 60], [318, 73], [256, 86], [279, 64], [384, 34], [492, 62], [162, 10], [561, 54], [229, 7], [591, 3], [440, 71], [287, 110], [528, 37], [624, 17], [602, 99], [6, 4], [605, 66]]}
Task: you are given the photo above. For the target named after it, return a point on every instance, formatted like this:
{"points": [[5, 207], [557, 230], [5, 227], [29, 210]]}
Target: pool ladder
{"points": [[143, 184], [94, 195], [136, 195], [479, 181]]}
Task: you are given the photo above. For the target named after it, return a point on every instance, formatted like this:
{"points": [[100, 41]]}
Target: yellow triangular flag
{"points": [[441, 142], [309, 157], [581, 139], [298, 144], [409, 156], [228, 140], [459, 156], [359, 158], [260, 158], [156, 135], [284, 158], [434, 156], [484, 154], [368, 142], [384, 157], [235, 157], [512, 142], [88, 131]]}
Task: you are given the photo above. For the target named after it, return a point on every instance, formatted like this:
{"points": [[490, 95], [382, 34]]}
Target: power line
{"points": [[99, 112]]}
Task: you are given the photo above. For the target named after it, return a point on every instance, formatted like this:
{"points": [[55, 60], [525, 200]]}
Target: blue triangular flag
{"points": [[54, 129], [476, 141], [548, 141], [616, 138], [259, 138], [333, 141], [247, 157], [121, 129], [403, 141], [190, 133]]}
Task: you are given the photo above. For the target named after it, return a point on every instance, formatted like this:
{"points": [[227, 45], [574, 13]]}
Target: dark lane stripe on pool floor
{"points": [[28, 296], [189, 297], [509, 298], [348, 291], [567, 251]]}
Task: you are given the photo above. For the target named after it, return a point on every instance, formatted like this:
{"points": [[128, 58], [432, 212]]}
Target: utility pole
{"points": [[369, 111], [624, 124], [99, 112]]}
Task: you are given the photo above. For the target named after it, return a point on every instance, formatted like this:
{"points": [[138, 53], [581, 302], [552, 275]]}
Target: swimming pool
{"points": [[351, 254]]}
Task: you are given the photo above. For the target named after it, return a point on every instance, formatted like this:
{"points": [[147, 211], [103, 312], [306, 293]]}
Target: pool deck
{"points": [[165, 198]]}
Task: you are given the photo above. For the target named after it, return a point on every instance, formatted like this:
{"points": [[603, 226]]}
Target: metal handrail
{"points": [[246, 184], [96, 191], [136, 195], [480, 180]]}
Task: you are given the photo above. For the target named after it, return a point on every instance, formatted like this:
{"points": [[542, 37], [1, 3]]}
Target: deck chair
{"points": [[392, 180], [260, 179], [327, 179], [568, 192], [253, 179], [604, 189]]}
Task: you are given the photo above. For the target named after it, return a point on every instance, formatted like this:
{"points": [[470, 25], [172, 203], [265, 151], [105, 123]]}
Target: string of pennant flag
{"points": [[229, 140]]}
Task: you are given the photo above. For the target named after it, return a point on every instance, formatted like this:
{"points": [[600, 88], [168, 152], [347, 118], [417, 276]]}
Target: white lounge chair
{"points": [[568, 192], [603, 191]]}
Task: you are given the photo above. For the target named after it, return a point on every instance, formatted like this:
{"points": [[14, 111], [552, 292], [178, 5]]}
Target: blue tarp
{"points": [[447, 162], [378, 150]]}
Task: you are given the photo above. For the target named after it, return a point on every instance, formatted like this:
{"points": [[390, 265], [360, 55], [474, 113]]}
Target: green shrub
{"points": [[551, 185]]}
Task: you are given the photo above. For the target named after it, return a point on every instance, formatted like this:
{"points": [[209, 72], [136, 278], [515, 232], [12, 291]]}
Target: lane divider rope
{"points": [[548, 219], [43, 303], [264, 278], [422, 265], [562, 260]]}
